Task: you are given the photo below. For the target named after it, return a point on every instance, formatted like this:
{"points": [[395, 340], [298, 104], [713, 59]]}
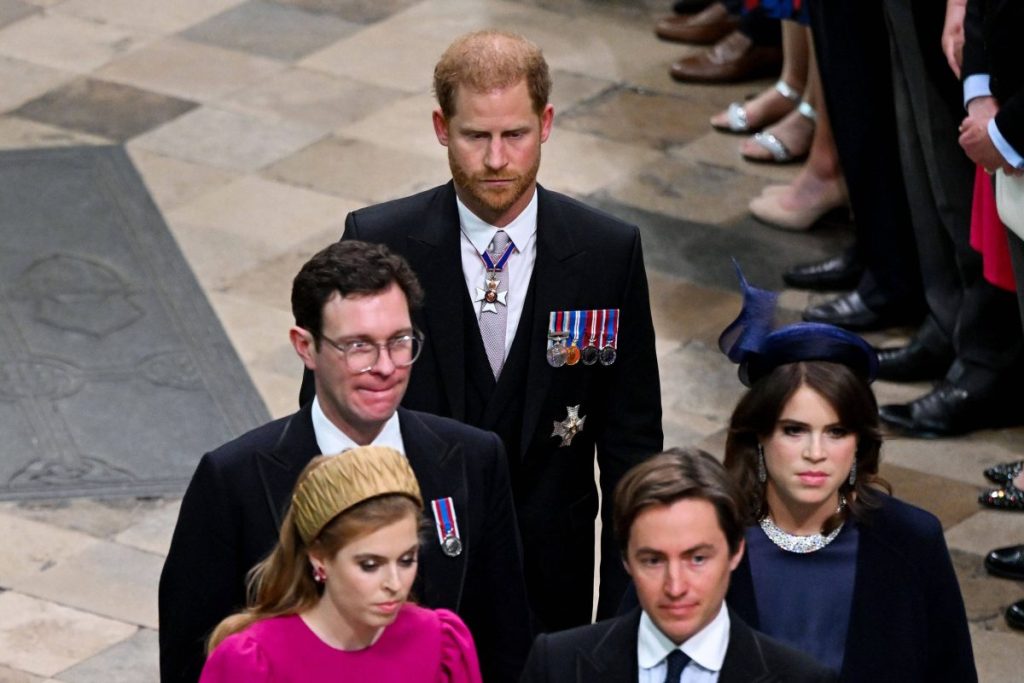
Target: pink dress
{"points": [[421, 646]]}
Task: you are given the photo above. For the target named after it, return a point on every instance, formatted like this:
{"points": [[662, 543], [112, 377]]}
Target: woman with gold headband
{"points": [[330, 603], [834, 566]]}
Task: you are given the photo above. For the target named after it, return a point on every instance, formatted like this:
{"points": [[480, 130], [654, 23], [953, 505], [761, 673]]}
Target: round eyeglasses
{"points": [[362, 354]]}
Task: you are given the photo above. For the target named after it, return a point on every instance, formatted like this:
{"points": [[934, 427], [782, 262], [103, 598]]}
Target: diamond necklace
{"points": [[799, 544]]}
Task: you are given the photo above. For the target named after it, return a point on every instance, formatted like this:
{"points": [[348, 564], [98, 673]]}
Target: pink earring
{"points": [[319, 575]]}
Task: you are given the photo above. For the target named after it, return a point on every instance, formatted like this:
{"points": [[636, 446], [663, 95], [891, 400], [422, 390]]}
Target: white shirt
{"points": [[978, 86], [476, 235], [332, 440], [706, 649]]}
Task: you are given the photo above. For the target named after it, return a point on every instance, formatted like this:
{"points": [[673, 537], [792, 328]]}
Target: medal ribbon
{"points": [[502, 260], [604, 327], [444, 516], [592, 326], [611, 334], [576, 317]]}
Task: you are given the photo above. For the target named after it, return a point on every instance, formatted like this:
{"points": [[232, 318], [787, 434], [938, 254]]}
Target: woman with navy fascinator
{"points": [[834, 565]]}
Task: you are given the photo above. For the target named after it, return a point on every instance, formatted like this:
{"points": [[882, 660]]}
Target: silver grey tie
{"points": [[494, 314]]}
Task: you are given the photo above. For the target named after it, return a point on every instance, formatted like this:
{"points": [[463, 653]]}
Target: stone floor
{"points": [[258, 124]]}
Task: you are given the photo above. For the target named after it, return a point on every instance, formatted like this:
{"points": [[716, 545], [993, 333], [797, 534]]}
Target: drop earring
{"points": [[762, 471], [319, 575], [853, 472]]}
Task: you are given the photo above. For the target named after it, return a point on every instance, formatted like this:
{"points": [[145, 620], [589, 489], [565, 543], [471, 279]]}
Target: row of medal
{"points": [[583, 336]]}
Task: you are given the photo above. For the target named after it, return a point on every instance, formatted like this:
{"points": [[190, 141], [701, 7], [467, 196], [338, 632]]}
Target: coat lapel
{"points": [[613, 658], [440, 471], [435, 255], [744, 661], [556, 278], [279, 467]]}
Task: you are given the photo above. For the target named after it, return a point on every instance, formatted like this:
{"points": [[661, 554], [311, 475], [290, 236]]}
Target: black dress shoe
{"points": [[1015, 615], [851, 312], [948, 410], [838, 272], [915, 362], [690, 6], [1006, 562], [1004, 473]]}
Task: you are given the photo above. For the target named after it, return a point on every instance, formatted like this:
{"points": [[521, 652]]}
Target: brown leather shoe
{"points": [[704, 28], [733, 58]]}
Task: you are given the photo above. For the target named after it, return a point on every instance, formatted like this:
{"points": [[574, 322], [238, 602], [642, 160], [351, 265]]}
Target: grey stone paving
{"points": [[257, 125]]}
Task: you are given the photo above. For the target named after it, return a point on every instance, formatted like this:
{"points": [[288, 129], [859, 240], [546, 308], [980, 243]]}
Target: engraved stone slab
{"points": [[115, 374]]}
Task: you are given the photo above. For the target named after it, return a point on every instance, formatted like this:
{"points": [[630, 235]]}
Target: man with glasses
{"points": [[353, 330]]}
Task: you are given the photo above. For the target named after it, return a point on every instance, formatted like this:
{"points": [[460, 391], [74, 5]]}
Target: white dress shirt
{"points": [[476, 235], [705, 648], [332, 440], [978, 86]]}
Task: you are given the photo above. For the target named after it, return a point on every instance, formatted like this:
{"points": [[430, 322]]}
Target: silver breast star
{"points": [[570, 426]]}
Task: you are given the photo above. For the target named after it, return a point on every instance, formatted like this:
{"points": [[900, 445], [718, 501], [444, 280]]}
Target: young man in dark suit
{"points": [[354, 332], [678, 522], [538, 316]]}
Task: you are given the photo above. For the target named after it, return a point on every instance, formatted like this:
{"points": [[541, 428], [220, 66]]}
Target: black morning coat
{"points": [[233, 508]]}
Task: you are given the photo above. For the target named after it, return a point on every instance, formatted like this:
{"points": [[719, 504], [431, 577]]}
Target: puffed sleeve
{"points": [[458, 654], [238, 658]]}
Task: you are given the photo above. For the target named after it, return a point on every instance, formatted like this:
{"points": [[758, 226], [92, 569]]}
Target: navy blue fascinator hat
{"points": [[751, 341]]}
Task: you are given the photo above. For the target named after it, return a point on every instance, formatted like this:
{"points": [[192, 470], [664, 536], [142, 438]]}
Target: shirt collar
{"points": [[706, 647], [332, 440], [480, 234]]}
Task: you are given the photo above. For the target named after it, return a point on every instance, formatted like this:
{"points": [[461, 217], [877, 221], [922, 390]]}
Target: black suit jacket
{"points": [[992, 31], [606, 653], [907, 621], [586, 259], [234, 505]]}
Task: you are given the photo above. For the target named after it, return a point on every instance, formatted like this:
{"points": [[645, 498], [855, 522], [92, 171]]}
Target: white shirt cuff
{"points": [[1004, 147], [976, 86]]}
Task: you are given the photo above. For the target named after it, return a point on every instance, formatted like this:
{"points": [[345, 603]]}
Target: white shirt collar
{"points": [[480, 234], [706, 647], [332, 440]]}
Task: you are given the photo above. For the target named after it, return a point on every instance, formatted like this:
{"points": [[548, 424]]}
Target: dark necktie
{"points": [[677, 661]]}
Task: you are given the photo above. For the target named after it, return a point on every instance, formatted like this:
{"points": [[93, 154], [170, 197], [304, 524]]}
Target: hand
{"points": [[953, 34], [975, 140]]}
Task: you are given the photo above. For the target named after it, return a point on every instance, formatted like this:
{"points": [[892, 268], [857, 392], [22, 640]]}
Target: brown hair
{"points": [[757, 414], [489, 60], [673, 475], [283, 582], [350, 268]]}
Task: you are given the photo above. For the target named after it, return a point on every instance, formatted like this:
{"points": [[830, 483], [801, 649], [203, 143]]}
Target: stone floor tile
{"points": [[985, 596], [151, 529], [699, 380], [18, 133], [100, 518], [157, 16], [676, 321], [278, 391], [685, 189], [217, 256], [24, 81], [573, 90], [359, 170], [443, 20], [404, 126], [229, 140], [104, 578], [637, 117], [13, 10], [999, 651], [359, 11], [404, 65], [67, 43], [955, 504], [720, 149], [266, 211], [40, 546], [172, 182], [580, 164], [312, 97], [986, 530], [189, 70], [111, 110], [134, 659], [44, 638], [962, 458], [250, 326], [271, 30], [12, 676]]}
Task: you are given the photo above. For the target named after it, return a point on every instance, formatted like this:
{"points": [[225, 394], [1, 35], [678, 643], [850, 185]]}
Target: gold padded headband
{"points": [[344, 480]]}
